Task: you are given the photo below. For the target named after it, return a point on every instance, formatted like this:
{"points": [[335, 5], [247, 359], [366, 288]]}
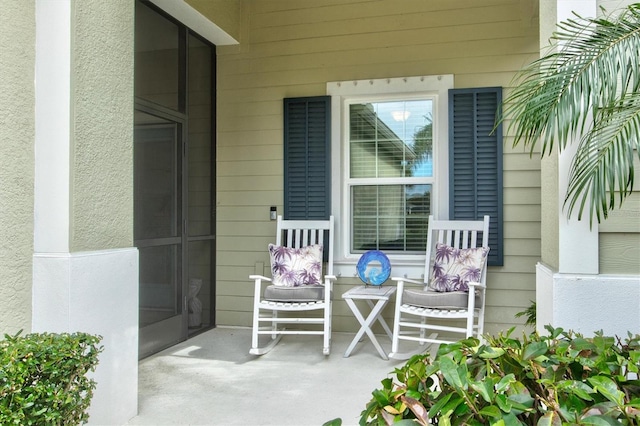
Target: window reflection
{"points": [[391, 140]]}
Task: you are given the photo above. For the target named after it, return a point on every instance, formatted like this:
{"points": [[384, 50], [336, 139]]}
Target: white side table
{"points": [[379, 294]]}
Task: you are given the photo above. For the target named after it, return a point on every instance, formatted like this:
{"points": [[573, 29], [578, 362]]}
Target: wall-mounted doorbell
{"points": [[273, 213]]}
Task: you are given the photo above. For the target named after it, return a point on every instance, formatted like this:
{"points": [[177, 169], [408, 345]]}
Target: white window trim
{"points": [[342, 94]]}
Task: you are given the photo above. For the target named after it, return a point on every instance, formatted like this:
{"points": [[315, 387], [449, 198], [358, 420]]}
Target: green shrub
{"points": [[43, 378], [563, 378]]}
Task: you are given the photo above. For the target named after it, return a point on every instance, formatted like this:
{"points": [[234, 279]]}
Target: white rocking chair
{"points": [[275, 299], [423, 310]]}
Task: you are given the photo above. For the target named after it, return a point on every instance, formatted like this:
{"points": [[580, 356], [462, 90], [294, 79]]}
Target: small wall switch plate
{"points": [[273, 213]]}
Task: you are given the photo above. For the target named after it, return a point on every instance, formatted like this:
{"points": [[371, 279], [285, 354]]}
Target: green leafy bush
{"points": [[43, 378], [559, 379]]}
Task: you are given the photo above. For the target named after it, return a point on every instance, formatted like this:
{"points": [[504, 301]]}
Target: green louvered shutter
{"points": [[475, 161], [307, 159]]}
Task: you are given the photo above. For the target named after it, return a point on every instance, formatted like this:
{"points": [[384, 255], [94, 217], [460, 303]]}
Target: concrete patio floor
{"points": [[212, 380]]}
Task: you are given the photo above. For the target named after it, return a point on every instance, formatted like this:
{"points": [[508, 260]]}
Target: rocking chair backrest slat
{"points": [[301, 233], [455, 233]]}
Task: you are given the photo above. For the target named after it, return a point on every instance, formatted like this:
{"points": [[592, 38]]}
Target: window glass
{"points": [[199, 126], [156, 154], [391, 171], [391, 139], [157, 58], [390, 217]]}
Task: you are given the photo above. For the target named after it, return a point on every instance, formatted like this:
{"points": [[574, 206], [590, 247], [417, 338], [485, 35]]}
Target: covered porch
{"points": [[212, 379]]}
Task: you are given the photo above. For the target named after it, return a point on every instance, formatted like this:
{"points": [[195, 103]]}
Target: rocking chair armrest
{"points": [[328, 287], [328, 282], [474, 288], [259, 277], [407, 280], [400, 281], [480, 286]]}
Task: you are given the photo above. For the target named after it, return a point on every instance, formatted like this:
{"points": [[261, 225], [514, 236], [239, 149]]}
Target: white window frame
{"points": [[345, 93]]}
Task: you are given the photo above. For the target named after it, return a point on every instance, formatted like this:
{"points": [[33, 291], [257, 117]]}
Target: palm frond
{"points": [[602, 169], [530, 313], [580, 88]]}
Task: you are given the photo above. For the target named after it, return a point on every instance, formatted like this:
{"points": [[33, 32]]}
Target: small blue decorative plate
{"points": [[375, 276]]}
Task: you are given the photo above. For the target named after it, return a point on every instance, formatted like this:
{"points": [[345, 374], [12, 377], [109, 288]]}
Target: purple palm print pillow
{"points": [[453, 268], [292, 267]]}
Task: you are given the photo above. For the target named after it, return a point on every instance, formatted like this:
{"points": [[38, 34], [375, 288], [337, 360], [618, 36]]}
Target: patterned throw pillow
{"points": [[453, 268], [296, 267]]}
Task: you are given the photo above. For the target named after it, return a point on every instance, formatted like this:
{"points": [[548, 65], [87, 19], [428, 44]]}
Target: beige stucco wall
{"points": [[17, 130], [293, 49], [102, 187], [102, 125]]}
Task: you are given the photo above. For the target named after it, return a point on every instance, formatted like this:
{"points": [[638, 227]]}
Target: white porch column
{"points": [[578, 243], [570, 291], [53, 121], [77, 287]]}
